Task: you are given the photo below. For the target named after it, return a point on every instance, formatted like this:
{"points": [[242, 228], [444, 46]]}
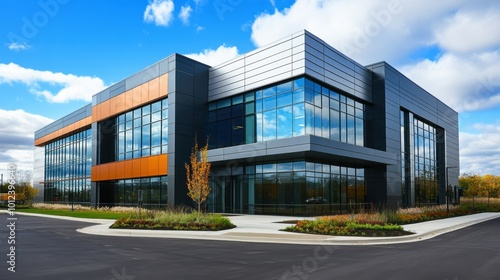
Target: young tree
{"points": [[489, 186], [197, 173]]}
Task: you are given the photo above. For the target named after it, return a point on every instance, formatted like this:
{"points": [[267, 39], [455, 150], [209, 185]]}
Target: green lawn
{"points": [[77, 214]]}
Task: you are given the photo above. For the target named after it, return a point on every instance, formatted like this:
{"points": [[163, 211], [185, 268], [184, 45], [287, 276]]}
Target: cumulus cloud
{"points": [[160, 12], [18, 46], [465, 83], [185, 14], [476, 26], [480, 152], [71, 87], [214, 57], [17, 129]]}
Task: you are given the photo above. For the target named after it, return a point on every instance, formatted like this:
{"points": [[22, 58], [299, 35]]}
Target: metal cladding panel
{"points": [[73, 117], [143, 76], [278, 74], [116, 89], [298, 54], [269, 72], [304, 145]]}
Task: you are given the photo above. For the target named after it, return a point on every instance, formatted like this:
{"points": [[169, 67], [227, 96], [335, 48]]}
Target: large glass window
{"points": [[144, 131], [126, 192], [289, 109], [419, 160], [290, 188], [426, 179], [67, 169]]}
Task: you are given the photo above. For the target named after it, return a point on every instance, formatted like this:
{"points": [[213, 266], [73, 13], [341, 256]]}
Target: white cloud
{"points": [[185, 14], [480, 153], [17, 129], [72, 87], [200, 28], [160, 12], [480, 28], [215, 57], [465, 83], [18, 46]]}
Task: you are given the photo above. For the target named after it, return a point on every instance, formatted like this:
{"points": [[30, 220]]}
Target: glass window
{"points": [[285, 99], [298, 96], [270, 103], [298, 120], [284, 87], [269, 125], [270, 91], [285, 121], [298, 83]]}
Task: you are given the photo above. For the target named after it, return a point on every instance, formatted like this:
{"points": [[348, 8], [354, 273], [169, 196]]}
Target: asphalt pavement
{"points": [[52, 248]]}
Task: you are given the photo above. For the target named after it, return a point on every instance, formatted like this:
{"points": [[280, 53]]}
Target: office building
{"points": [[294, 128]]}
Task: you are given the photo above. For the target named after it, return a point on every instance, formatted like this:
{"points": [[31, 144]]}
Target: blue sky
{"points": [[55, 54]]}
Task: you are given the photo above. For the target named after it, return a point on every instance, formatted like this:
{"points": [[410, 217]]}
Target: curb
{"points": [[278, 237]]}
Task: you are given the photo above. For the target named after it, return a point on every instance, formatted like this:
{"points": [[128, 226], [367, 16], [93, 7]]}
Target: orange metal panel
{"points": [[136, 96], [163, 85], [104, 109], [144, 166], [112, 106], [128, 99], [112, 171], [144, 93], [153, 165], [120, 103], [129, 166], [136, 168], [120, 170], [163, 164], [154, 88], [94, 173]]}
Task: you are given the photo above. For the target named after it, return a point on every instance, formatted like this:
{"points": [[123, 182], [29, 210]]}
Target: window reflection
{"points": [[67, 169], [290, 109]]}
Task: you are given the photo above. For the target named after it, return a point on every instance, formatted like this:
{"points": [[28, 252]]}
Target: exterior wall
{"points": [[393, 91], [187, 99]]}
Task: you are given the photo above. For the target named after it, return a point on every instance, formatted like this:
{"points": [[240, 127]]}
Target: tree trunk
{"points": [[199, 209]]}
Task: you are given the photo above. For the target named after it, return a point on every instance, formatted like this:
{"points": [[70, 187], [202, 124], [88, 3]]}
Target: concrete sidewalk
{"points": [[266, 229]]}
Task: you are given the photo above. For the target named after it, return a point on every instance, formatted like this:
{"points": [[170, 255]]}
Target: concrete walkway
{"points": [[266, 229]]}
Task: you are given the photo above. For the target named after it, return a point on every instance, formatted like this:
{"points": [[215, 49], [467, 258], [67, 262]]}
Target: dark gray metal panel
{"points": [[187, 98]]}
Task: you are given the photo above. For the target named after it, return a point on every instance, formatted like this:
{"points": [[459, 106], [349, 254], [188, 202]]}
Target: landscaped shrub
{"points": [[177, 220], [351, 225]]}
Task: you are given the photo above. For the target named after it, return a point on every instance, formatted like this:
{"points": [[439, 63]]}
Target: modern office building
{"points": [[295, 127]]}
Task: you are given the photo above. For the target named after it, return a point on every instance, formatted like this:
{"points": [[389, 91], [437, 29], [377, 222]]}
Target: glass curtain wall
{"points": [[284, 110], [67, 169], [289, 188], [419, 161]]}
